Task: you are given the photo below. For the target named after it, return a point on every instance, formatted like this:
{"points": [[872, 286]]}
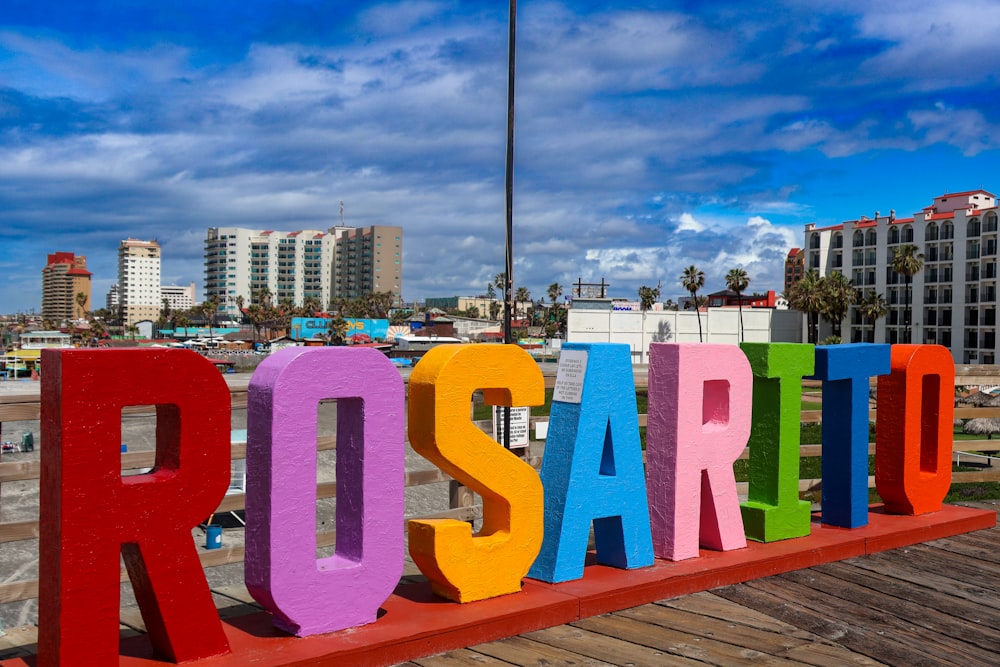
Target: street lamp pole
{"points": [[508, 309]]}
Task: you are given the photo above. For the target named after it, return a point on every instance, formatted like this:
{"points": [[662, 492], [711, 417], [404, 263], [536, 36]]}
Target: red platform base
{"points": [[414, 623]]}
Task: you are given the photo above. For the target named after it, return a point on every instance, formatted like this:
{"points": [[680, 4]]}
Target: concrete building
{"points": [[368, 259], [178, 297], [65, 275], [954, 297], [795, 264], [596, 320], [290, 265], [323, 265], [480, 303], [112, 299], [139, 281]]}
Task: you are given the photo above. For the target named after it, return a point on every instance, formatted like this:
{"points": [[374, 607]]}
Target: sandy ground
{"points": [[19, 502]]}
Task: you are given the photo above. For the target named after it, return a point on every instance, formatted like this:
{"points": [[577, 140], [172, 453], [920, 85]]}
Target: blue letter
{"points": [[592, 470]]}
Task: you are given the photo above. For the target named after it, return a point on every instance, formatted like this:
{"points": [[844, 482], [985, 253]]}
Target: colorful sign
{"points": [[305, 328], [705, 403]]}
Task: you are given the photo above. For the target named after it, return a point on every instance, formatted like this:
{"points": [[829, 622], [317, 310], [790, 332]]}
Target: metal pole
{"points": [[509, 198]]}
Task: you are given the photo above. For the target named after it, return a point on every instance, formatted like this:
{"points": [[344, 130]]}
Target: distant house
{"points": [[795, 267], [729, 298]]}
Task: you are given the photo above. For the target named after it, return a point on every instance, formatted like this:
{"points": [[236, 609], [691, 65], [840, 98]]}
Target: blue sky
{"points": [[650, 135]]}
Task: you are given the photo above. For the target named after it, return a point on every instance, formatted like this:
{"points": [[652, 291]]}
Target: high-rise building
{"points": [[952, 300], [178, 297], [64, 277], [139, 281], [112, 299], [368, 259], [300, 265]]}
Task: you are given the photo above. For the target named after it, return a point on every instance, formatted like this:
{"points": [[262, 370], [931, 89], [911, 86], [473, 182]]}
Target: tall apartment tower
{"points": [[300, 265], [368, 259], [139, 280], [954, 296], [239, 263], [64, 277]]}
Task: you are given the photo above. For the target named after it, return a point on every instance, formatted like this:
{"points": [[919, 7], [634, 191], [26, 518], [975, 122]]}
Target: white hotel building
{"points": [[954, 297], [339, 262]]}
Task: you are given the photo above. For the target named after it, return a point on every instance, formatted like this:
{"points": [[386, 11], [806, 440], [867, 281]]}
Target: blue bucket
{"points": [[213, 536]]}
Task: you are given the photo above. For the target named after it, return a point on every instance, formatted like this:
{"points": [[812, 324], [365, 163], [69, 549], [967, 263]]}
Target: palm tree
{"points": [[738, 280], [838, 294], [554, 291], [337, 330], [522, 295], [81, 301], [263, 297], [692, 280], [872, 307], [310, 305], [806, 296], [647, 297], [907, 261], [256, 315]]}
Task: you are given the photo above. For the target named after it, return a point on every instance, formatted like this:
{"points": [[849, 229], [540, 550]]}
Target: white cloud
{"points": [[687, 223]]}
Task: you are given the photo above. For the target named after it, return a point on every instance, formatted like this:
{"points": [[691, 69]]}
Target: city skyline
{"points": [[647, 140]]}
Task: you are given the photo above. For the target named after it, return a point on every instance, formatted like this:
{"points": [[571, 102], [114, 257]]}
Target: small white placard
{"points": [[569, 376], [519, 418]]}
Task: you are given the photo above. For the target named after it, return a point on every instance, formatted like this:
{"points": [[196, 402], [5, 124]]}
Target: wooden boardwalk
{"points": [[936, 603], [931, 604]]}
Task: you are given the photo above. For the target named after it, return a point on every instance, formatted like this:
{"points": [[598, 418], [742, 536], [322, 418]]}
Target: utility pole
{"points": [[508, 306]]}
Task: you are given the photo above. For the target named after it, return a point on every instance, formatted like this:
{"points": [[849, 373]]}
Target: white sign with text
{"points": [[518, 425], [569, 376]]}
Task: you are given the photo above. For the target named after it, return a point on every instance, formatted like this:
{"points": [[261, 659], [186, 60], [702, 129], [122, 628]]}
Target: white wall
{"points": [[719, 325]]}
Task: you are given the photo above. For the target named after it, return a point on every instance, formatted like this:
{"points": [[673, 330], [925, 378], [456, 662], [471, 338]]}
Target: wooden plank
{"points": [[979, 624], [18, 412], [460, 658], [885, 627], [905, 570], [801, 613], [527, 653], [710, 605], [936, 559], [953, 638], [982, 554], [815, 651], [599, 646], [726, 648]]}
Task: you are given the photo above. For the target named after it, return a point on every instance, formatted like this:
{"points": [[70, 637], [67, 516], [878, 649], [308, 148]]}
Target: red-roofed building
{"points": [[795, 264], [63, 278], [951, 301]]}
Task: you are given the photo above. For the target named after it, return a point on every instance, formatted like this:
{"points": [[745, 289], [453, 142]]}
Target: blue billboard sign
{"points": [[304, 328]]}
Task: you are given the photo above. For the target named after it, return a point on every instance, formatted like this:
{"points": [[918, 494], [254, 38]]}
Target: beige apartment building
{"points": [[139, 281], [367, 259], [64, 277]]}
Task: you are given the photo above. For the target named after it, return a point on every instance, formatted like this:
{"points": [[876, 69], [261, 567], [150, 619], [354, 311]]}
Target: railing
{"points": [[28, 408]]}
